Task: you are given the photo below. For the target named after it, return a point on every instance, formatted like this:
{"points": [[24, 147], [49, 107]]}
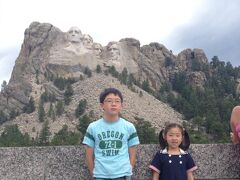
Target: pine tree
{"points": [[81, 78], [124, 76], [168, 62], [112, 70], [146, 86], [13, 114], [41, 112], [88, 72], [146, 132], [3, 117], [12, 137], [81, 108], [59, 108], [59, 83], [44, 136], [30, 107], [98, 69], [44, 97], [51, 112], [3, 86], [83, 124], [65, 137], [131, 80], [37, 75], [68, 94]]}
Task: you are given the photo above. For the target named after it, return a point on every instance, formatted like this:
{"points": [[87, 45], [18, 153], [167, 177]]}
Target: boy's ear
{"points": [[101, 104]]}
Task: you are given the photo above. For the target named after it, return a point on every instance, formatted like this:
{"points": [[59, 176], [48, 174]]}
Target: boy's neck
{"points": [[110, 118]]}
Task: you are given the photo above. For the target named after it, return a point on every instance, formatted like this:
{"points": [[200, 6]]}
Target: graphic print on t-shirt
{"points": [[110, 142]]}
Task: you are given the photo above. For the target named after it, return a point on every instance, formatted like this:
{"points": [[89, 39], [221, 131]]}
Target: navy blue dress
{"points": [[172, 167]]}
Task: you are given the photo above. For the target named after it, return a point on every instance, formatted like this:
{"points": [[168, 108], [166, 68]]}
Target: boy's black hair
{"points": [[108, 91], [185, 142]]}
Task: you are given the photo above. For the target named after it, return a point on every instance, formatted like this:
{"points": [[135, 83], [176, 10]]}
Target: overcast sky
{"points": [[212, 25]]}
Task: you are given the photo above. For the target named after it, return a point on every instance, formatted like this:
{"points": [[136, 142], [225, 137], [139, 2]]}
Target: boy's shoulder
{"points": [[126, 122], [96, 122], [100, 121]]}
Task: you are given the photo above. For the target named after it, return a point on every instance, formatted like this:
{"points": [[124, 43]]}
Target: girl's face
{"points": [[174, 137]]}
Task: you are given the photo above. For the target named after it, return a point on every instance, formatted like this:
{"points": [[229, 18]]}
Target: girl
{"points": [[173, 162], [235, 125]]}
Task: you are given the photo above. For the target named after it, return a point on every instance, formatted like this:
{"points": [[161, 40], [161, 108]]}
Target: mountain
{"points": [[57, 71]]}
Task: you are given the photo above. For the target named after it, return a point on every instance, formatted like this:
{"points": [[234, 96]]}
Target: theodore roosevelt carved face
{"points": [[97, 48]]}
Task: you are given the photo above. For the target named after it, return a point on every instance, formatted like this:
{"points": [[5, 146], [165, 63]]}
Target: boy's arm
{"points": [[89, 159], [190, 176], [132, 155], [155, 176]]}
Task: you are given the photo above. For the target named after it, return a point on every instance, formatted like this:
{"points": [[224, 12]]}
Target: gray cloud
{"points": [[215, 29]]}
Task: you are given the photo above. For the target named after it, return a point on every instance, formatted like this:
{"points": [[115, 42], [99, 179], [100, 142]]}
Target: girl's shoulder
{"points": [[165, 151]]}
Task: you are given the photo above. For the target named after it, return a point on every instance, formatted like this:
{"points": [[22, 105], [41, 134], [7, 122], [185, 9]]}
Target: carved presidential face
{"points": [[87, 40], [97, 48], [74, 35], [114, 50]]}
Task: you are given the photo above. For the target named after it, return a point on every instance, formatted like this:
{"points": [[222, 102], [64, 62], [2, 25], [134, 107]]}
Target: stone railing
{"points": [[215, 161]]}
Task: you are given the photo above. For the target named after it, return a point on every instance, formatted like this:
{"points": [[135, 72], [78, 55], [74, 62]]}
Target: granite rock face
{"points": [[47, 51], [47, 48], [218, 161], [155, 111]]}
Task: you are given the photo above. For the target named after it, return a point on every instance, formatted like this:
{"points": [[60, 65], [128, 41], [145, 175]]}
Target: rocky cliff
{"points": [[48, 53]]}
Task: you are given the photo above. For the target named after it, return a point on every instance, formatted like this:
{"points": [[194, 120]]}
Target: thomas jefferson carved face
{"points": [[74, 35], [87, 41]]}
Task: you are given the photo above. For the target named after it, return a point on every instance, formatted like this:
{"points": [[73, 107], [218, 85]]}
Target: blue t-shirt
{"points": [[172, 167], [110, 142]]}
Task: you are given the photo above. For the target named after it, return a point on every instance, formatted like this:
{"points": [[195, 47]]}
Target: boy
{"points": [[111, 141]]}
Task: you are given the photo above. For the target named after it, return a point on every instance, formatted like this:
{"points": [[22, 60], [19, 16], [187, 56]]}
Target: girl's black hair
{"points": [[185, 142], [110, 91]]}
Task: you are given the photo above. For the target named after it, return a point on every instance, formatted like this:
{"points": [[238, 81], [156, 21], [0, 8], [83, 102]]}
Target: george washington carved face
{"points": [[74, 35]]}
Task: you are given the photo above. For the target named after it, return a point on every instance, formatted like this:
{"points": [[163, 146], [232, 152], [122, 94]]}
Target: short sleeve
{"points": [[190, 165], [133, 137], [156, 163], [89, 137]]}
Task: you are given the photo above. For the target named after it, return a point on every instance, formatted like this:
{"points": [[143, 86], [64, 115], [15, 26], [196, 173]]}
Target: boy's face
{"points": [[112, 105]]}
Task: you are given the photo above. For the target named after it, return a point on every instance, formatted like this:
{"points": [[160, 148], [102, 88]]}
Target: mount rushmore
{"points": [[47, 51]]}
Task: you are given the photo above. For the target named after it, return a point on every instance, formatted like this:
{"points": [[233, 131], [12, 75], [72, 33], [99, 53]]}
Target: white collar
{"points": [[165, 151]]}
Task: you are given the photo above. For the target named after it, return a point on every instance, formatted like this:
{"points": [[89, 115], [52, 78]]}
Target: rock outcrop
{"points": [[48, 52]]}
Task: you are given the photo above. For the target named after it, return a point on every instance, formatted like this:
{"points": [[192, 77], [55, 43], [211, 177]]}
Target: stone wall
{"points": [[215, 161]]}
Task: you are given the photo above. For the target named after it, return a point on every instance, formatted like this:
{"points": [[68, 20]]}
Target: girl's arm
{"points": [[190, 176], [155, 176]]}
